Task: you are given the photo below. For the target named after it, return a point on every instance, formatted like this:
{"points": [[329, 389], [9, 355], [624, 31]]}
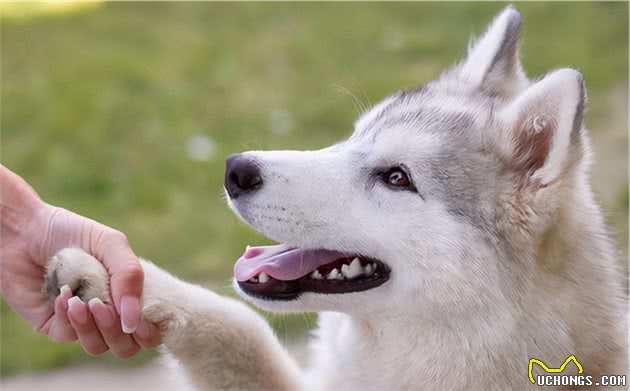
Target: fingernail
{"points": [[64, 289], [64, 305], [101, 314], [129, 313], [76, 308], [63, 302], [94, 302]]}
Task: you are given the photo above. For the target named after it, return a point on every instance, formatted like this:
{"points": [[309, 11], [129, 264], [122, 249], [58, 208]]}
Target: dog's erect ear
{"points": [[542, 126], [493, 61]]}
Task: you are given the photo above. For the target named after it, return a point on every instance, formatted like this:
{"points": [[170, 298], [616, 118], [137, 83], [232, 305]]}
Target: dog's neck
{"points": [[429, 348]]}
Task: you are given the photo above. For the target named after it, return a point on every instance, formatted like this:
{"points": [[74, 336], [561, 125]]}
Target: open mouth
{"points": [[283, 273]]}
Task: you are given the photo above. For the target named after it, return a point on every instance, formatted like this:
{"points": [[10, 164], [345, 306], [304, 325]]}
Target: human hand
{"points": [[31, 232]]}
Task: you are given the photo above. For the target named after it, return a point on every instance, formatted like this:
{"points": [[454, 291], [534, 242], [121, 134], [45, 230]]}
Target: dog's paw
{"points": [[81, 272]]}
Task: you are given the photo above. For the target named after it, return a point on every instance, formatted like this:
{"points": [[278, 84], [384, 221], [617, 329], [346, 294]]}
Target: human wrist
{"points": [[19, 203]]}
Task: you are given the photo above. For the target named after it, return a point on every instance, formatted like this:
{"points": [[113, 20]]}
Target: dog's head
{"points": [[435, 188]]}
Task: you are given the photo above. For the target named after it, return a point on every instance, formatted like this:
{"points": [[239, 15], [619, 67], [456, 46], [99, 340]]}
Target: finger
{"points": [[127, 277], [147, 335], [61, 330], [83, 323], [108, 323]]}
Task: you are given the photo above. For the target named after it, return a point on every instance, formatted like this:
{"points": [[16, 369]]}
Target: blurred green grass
{"points": [[98, 107]]}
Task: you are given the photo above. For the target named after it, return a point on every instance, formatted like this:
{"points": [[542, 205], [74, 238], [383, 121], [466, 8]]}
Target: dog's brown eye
{"points": [[398, 178]]}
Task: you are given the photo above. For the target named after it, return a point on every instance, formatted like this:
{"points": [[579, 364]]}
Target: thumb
{"points": [[127, 277]]}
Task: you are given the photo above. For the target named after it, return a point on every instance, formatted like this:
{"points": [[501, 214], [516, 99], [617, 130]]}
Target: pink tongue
{"points": [[282, 262]]}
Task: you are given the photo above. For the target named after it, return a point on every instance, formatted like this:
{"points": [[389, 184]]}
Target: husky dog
{"points": [[452, 238]]}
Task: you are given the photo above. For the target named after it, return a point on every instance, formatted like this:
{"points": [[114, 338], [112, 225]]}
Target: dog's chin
{"points": [[275, 306], [351, 303]]}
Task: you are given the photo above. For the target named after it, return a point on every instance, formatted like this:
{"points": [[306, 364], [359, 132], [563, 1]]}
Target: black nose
{"points": [[241, 175]]}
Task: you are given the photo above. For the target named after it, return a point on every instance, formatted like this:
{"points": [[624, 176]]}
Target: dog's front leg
{"points": [[220, 343]]}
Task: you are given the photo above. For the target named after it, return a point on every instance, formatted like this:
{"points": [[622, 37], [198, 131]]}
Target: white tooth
{"points": [[253, 279], [340, 277], [316, 275], [345, 270], [369, 269], [355, 269], [333, 274], [263, 277]]}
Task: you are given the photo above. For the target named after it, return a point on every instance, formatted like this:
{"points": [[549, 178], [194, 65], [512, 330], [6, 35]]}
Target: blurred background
{"points": [[125, 112]]}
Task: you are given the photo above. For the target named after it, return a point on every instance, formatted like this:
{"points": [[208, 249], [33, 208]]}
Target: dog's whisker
{"points": [[357, 102], [368, 104]]}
